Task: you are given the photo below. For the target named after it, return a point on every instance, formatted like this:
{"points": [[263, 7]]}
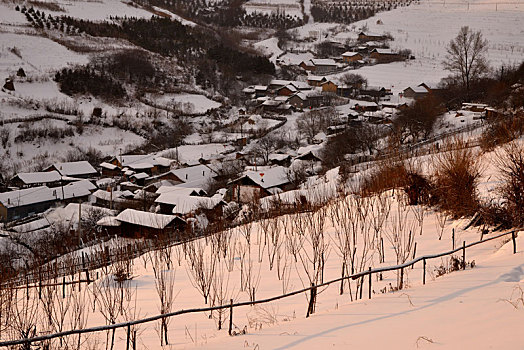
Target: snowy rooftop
{"points": [[142, 218], [269, 177], [107, 165], [44, 194], [75, 168], [323, 62], [350, 54], [188, 191], [39, 177], [136, 161]]}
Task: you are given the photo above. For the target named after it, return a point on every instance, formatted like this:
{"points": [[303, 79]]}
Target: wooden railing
{"points": [[312, 289]]}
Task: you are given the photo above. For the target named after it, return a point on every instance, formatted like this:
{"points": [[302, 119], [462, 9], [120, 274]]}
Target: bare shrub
{"points": [[502, 129], [391, 175], [457, 173], [510, 163]]}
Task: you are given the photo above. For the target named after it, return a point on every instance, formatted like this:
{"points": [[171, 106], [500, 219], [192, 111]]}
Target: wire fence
{"points": [[312, 289]]}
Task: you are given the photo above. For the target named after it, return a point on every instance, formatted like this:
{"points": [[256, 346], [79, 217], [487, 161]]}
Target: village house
{"points": [[363, 37], [287, 90], [329, 87], [255, 91], [253, 185], [276, 84], [148, 163], [415, 92], [385, 55], [315, 81], [320, 66], [135, 223], [351, 57], [26, 202], [276, 106], [81, 169], [309, 99], [109, 170], [374, 91], [307, 66], [345, 90], [195, 176], [279, 159], [112, 199], [47, 178], [185, 205], [365, 106]]}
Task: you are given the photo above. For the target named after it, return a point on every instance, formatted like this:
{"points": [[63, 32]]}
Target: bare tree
{"points": [[466, 55]]}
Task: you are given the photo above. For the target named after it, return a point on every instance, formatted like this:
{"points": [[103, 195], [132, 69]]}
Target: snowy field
{"points": [[189, 103], [98, 10], [424, 28], [427, 28]]}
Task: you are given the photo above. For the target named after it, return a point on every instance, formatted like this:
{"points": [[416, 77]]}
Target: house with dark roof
{"points": [[81, 169], [253, 185], [47, 178]]}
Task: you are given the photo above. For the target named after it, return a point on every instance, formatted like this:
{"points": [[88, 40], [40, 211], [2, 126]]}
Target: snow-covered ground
{"points": [[189, 103], [464, 309]]}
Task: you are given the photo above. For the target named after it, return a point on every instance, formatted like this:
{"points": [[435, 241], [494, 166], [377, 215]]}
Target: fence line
{"points": [[313, 289]]}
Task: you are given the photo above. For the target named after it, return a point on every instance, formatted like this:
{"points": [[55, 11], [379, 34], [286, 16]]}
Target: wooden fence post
{"points": [[63, 287], [424, 274], [369, 286], [464, 255], [414, 253], [453, 237], [383, 252], [231, 317], [128, 336], [311, 306], [342, 280], [514, 242]]}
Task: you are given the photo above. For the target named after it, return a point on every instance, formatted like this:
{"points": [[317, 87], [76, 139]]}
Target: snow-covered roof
{"points": [[69, 214], [135, 161], [278, 156], [323, 62], [108, 166], [384, 51], [39, 177], [290, 87], [315, 78], [140, 176], [106, 195], [108, 221], [350, 54], [76, 189], [188, 191], [185, 204], [301, 85], [142, 218], [417, 89], [279, 82], [42, 194], [365, 104], [141, 166], [269, 177], [196, 176], [75, 168]]}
